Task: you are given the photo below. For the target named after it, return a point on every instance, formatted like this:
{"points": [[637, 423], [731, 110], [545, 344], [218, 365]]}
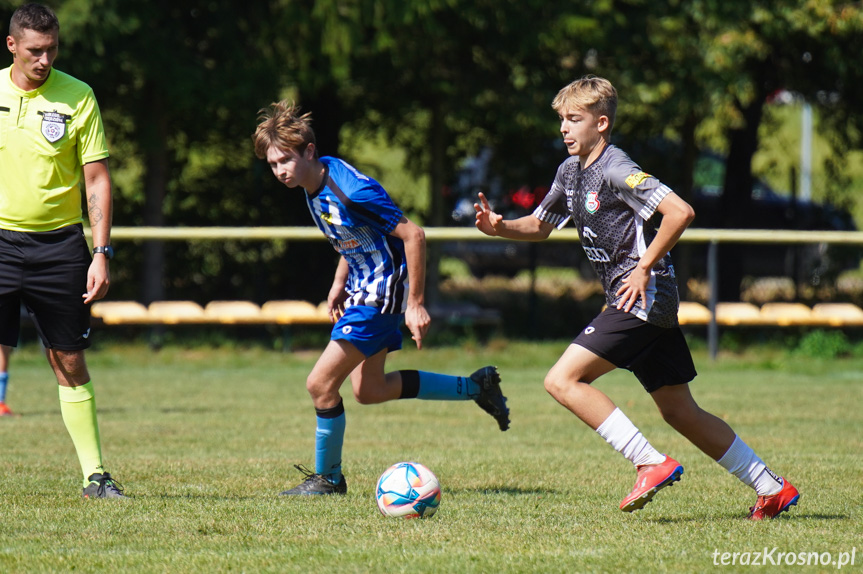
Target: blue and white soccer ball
{"points": [[408, 490]]}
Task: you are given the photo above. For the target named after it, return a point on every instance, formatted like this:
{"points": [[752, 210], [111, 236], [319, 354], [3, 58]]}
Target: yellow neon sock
{"points": [[78, 406]]}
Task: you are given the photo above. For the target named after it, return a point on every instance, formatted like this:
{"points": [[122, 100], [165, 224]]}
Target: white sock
{"points": [[742, 462], [620, 433]]}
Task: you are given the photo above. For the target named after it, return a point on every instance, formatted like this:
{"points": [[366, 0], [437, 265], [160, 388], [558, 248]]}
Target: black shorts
{"points": [[657, 356], [47, 272]]}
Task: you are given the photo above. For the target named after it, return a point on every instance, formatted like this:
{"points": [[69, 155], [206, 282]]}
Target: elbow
{"points": [[420, 236], [688, 215], [683, 215], [416, 236], [543, 230]]}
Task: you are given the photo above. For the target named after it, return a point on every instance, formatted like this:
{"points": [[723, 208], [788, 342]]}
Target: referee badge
{"points": [[54, 125]]}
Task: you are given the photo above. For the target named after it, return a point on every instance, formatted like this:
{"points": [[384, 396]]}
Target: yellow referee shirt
{"points": [[46, 136]]}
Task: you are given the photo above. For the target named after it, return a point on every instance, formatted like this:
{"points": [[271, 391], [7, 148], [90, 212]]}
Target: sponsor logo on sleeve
{"points": [[636, 179]]}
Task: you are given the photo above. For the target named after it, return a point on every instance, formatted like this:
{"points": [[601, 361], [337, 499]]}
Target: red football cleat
{"points": [[651, 479], [5, 411], [775, 504]]}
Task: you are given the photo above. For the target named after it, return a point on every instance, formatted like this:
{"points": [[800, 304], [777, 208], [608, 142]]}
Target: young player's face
{"points": [[291, 167], [581, 131], [34, 54]]}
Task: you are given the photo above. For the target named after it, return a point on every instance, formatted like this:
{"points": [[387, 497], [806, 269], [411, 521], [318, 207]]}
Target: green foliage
{"points": [[204, 439], [821, 344], [180, 84]]}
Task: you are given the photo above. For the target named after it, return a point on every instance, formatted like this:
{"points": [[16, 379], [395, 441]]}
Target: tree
{"points": [[179, 86], [757, 49]]}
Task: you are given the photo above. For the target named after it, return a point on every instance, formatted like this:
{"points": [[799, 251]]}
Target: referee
{"points": [[52, 141]]}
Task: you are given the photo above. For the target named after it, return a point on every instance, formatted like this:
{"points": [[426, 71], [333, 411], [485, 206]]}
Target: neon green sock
{"points": [[78, 406]]}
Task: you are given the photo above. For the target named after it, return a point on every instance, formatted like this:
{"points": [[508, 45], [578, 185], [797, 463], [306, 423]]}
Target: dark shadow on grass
{"points": [[501, 490], [672, 520], [743, 517], [813, 516], [211, 497]]}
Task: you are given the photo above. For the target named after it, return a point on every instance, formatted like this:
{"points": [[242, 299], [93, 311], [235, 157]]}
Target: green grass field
{"points": [[203, 440]]}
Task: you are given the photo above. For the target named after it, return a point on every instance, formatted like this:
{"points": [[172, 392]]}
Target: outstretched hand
{"points": [[487, 220]]}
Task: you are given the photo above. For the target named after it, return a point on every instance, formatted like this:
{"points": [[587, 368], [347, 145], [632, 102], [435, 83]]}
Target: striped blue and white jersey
{"points": [[357, 216]]}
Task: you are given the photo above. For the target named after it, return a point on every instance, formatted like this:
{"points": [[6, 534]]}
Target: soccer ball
{"points": [[408, 490]]}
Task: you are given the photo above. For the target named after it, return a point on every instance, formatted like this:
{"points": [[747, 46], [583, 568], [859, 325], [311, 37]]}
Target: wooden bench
{"points": [[773, 314], [285, 314], [215, 312], [290, 312]]}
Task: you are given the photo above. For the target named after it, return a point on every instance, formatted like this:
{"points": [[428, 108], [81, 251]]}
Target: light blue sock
{"points": [[437, 387], [4, 380], [329, 438]]}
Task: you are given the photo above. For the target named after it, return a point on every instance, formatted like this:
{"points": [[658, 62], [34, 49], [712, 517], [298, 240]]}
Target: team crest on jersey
{"points": [[591, 202], [636, 178], [54, 125]]}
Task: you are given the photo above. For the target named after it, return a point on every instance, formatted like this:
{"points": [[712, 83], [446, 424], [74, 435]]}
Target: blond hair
{"points": [[590, 93], [281, 125]]}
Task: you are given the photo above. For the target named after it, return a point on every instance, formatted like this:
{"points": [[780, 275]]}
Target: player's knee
{"points": [[553, 385], [316, 387], [69, 367]]}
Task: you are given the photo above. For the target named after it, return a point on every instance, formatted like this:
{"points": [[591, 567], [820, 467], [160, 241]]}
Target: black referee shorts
{"points": [[657, 356], [47, 272]]}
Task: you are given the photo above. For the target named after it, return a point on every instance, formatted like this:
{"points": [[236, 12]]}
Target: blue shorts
{"points": [[369, 330]]}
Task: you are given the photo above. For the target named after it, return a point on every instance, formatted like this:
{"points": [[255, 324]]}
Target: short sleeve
{"points": [[640, 190], [91, 133], [553, 208], [373, 205]]}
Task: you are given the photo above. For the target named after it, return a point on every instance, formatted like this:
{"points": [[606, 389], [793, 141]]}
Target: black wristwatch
{"points": [[105, 250]]}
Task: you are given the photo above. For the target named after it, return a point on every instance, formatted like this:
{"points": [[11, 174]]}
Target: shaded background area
{"points": [[409, 90]]}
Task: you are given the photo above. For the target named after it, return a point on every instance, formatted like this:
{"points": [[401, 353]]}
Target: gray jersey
{"points": [[611, 203]]}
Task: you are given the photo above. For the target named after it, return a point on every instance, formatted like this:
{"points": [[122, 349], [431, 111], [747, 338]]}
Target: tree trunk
{"points": [[327, 118], [155, 183], [736, 202], [437, 138], [683, 251]]}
